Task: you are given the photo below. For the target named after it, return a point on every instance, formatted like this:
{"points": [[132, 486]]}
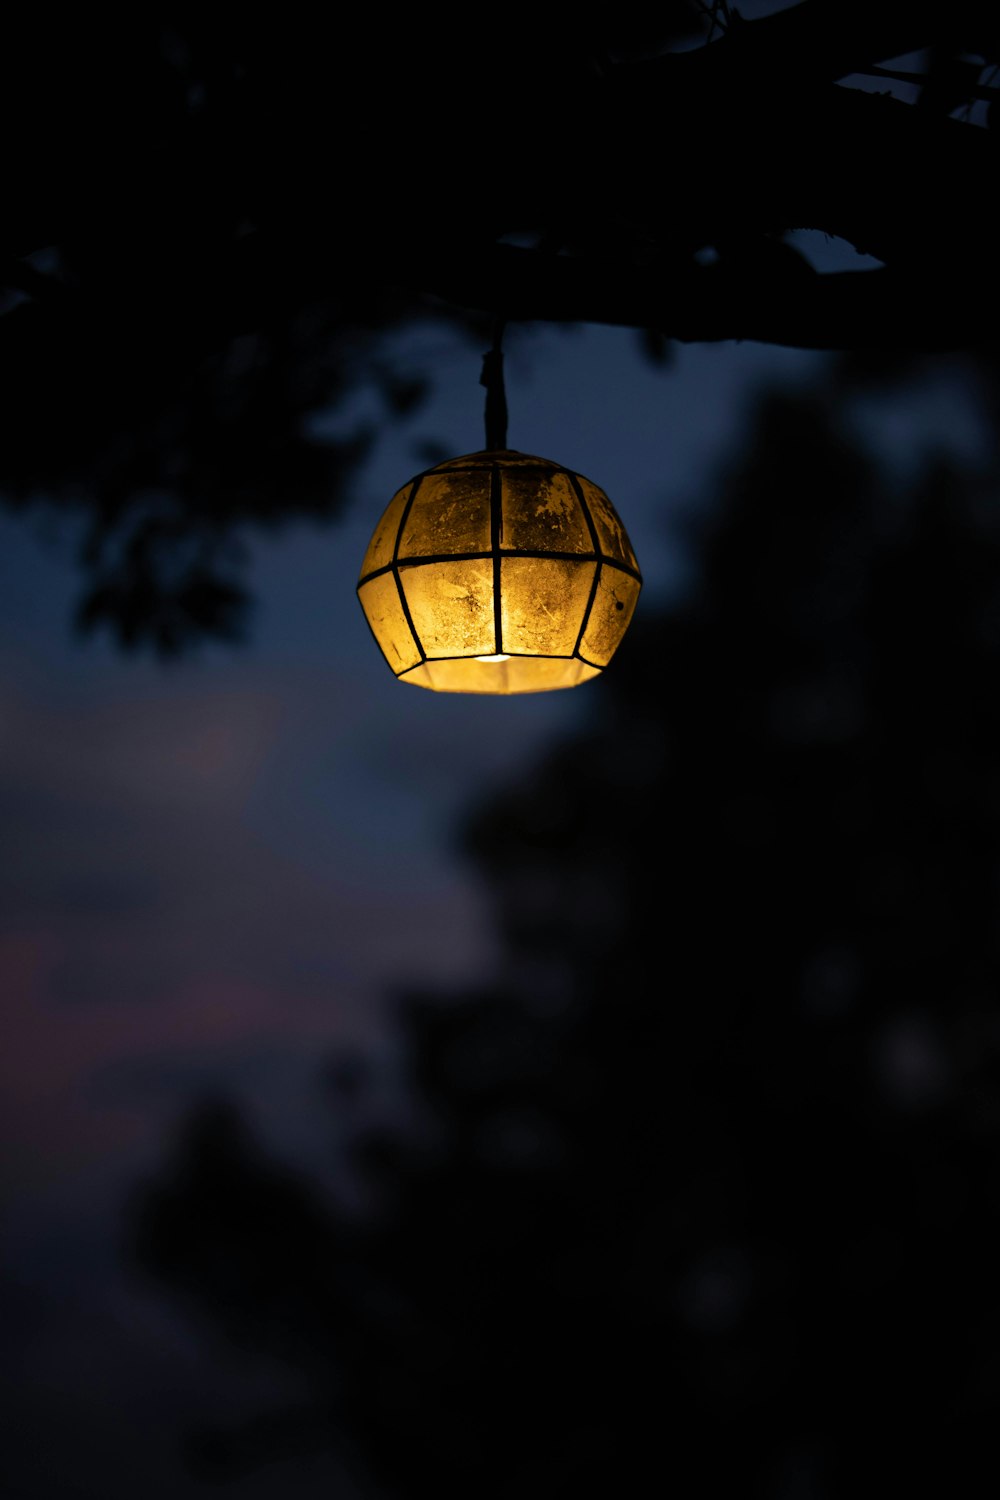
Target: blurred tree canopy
{"points": [[700, 1197], [213, 216]]}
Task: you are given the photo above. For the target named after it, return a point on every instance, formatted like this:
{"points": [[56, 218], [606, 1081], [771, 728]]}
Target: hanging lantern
{"points": [[499, 572]]}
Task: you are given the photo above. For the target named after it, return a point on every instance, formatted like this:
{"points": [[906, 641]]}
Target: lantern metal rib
{"points": [[499, 572]]}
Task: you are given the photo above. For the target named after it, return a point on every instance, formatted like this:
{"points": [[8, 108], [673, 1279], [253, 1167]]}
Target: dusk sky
{"points": [[216, 872]]}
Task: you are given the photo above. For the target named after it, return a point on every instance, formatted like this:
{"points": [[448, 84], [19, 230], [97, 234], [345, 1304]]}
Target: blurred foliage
{"points": [[701, 1195]]}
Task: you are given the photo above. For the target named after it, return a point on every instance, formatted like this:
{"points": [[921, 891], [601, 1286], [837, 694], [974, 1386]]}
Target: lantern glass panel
{"points": [[450, 513], [611, 535], [543, 602], [381, 603], [451, 606], [383, 543], [612, 609], [541, 513]]}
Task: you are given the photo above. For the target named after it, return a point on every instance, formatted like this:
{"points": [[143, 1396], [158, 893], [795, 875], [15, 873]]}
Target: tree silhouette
{"points": [[703, 1193], [212, 216]]}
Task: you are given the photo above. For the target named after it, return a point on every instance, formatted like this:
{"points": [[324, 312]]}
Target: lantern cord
{"points": [[496, 395]]}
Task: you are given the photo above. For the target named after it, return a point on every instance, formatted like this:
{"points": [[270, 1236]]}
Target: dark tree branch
{"points": [[250, 179], [863, 309], [828, 39], [893, 180]]}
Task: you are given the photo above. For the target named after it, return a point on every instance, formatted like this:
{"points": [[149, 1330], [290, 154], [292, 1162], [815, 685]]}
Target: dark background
{"points": [[411, 1094]]}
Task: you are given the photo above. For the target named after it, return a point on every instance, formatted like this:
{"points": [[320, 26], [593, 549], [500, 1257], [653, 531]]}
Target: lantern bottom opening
{"points": [[506, 674]]}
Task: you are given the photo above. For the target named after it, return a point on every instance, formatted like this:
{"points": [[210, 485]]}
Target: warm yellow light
{"points": [[499, 572]]}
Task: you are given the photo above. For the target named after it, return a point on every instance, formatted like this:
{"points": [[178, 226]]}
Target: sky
{"points": [[168, 823], [218, 872]]}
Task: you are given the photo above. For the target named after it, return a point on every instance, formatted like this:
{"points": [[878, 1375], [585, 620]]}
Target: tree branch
{"points": [[823, 40], [893, 180], [847, 310]]}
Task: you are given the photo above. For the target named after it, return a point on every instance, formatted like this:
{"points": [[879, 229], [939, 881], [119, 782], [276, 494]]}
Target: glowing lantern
{"points": [[499, 573]]}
